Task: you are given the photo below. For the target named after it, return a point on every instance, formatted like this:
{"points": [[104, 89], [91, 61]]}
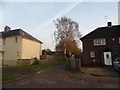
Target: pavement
{"points": [[60, 77], [107, 71]]}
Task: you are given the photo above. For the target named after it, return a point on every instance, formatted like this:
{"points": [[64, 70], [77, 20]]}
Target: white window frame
{"points": [[98, 42], [92, 54]]}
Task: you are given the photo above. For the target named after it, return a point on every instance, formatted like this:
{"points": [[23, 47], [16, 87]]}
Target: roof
{"points": [[17, 32], [103, 32]]}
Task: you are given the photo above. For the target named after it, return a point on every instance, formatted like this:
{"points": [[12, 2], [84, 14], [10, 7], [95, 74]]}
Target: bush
{"points": [[115, 56], [36, 61]]}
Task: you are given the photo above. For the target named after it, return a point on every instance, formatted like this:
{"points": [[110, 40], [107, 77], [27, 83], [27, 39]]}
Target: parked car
{"points": [[117, 64]]}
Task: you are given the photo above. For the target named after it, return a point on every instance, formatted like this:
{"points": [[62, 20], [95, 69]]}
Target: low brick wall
{"points": [[9, 62], [17, 62], [23, 62]]}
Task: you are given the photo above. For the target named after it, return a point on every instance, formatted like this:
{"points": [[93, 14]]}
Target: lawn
{"points": [[6, 77], [27, 69], [33, 68]]}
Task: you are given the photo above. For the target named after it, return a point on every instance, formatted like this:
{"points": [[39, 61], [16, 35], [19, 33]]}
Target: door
{"points": [[107, 58]]}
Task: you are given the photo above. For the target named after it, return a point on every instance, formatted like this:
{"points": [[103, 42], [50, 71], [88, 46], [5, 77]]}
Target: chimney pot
{"points": [[109, 24], [7, 28]]}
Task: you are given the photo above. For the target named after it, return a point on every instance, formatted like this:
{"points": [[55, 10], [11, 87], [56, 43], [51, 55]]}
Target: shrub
{"points": [[36, 61]]}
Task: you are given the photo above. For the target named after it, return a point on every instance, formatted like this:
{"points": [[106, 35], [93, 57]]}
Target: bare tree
{"points": [[67, 35]]}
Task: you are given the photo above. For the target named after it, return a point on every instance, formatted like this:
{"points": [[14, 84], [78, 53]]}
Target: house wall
{"points": [[30, 49], [12, 50], [0, 51], [88, 46], [1, 44], [40, 50]]}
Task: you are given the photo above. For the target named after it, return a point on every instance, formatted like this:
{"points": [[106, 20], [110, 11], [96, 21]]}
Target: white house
{"points": [[17, 45]]}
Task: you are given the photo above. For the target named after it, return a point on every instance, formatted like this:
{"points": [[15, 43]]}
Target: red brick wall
{"points": [[88, 46]]}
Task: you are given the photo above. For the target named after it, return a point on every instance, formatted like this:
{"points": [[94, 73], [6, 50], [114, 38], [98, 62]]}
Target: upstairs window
{"points": [[98, 42]]}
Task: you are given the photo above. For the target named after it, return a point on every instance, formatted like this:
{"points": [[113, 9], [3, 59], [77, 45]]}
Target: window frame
{"points": [[99, 42], [92, 54]]}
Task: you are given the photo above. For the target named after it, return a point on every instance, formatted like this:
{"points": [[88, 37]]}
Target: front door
{"points": [[107, 58]]}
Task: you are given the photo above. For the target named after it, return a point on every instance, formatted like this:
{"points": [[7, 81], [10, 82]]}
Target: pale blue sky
{"points": [[37, 18]]}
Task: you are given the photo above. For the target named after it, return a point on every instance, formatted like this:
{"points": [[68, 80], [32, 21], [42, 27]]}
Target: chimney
{"points": [[109, 24], [7, 28]]}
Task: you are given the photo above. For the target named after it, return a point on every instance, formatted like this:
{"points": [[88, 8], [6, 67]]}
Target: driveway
{"points": [[60, 77]]}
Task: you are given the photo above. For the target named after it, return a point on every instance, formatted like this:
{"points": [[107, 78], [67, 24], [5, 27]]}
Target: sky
{"points": [[37, 18]]}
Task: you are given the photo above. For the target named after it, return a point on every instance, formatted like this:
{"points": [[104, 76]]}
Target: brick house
{"points": [[101, 46]]}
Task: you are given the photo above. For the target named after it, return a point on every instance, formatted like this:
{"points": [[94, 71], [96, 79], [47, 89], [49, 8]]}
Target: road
{"points": [[60, 77]]}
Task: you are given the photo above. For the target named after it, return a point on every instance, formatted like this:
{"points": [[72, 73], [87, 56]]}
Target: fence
{"points": [[43, 60], [51, 58]]}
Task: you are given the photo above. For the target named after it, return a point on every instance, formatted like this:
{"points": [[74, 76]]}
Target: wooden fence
{"points": [[51, 58]]}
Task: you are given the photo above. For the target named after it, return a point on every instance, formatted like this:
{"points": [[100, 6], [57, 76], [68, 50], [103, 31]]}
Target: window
{"points": [[16, 39], [119, 40], [98, 42], [18, 54], [107, 55], [92, 54]]}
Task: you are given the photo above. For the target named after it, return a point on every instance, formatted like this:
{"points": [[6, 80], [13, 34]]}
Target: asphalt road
{"points": [[59, 77]]}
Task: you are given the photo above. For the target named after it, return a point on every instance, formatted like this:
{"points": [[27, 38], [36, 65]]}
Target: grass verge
{"points": [[33, 68], [6, 77], [27, 69]]}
